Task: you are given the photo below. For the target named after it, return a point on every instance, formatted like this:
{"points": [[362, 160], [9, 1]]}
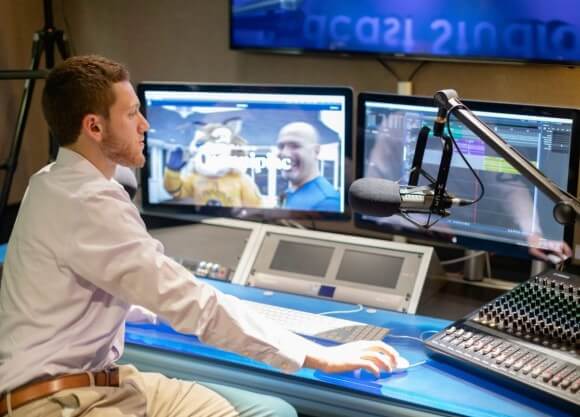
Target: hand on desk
{"points": [[373, 356], [547, 250]]}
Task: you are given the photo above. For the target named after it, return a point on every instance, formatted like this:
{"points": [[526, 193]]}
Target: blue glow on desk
{"points": [[435, 386]]}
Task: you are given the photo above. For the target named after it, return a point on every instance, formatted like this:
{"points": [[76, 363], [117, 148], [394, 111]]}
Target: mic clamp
{"points": [[423, 200], [440, 121]]}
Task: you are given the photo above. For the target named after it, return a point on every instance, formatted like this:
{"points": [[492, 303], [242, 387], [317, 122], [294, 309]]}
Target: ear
{"points": [[317, 149], [234, 124], [92, 126]]}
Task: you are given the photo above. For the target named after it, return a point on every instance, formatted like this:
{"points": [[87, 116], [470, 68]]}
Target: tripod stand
{"points": [[44, 42]]}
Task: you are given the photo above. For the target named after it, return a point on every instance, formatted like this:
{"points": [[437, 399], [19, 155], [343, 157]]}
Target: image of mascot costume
{"points": [[214, 173]]}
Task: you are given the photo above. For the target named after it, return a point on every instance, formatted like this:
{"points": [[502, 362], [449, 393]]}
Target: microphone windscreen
{"points": [[375, 197]]}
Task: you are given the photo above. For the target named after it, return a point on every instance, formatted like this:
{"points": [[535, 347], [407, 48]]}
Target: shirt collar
{"points": [[305, 185], [69, 158]]}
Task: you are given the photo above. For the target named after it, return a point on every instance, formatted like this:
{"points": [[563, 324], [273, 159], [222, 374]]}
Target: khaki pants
{"points": [[143, 394]]}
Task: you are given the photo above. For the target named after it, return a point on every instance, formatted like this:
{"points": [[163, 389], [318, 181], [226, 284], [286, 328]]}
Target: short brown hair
{"points": [[79, 86]]}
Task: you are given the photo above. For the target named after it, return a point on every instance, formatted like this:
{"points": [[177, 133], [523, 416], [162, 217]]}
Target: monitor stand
{"points": [[474, 266], [537, 267], [400, 239]]}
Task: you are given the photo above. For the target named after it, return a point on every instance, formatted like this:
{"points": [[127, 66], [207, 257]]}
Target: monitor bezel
{"points": [[197, 212], [459, 240]]}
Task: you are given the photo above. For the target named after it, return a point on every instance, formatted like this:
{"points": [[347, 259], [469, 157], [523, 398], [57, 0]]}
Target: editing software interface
{"points": [[246, 150], [513, 211]]}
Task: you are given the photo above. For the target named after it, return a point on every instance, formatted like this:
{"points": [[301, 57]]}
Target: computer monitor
{"points": [[513, 215], [246, 151]]}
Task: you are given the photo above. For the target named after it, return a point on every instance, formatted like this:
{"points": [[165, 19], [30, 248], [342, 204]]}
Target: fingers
{"points": [[372, 356], [381, 361], [370, 366], [380, 347], [538, 254], [567, 250], [375, 355]]}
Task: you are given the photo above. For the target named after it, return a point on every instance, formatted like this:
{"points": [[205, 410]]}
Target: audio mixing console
{"points": [[529, 337]]}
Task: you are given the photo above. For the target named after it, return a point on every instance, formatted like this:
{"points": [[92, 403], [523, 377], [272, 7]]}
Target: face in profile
{"points": [[124, 129], [298, 142]]}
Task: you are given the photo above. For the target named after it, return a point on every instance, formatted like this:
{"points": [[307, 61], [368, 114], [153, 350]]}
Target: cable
{"points": [[425, 332], [463, 258], [397, 77], [405, 337], [419, 339], [359, 308], [416, 364], [482, 192]]}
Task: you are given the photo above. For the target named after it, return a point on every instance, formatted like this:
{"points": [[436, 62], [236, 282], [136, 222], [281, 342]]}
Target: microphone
{"points": [[383, 198]]}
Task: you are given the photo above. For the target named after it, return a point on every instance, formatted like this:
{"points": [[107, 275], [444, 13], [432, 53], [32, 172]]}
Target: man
{"points": [[79, 256], [307, 189]]}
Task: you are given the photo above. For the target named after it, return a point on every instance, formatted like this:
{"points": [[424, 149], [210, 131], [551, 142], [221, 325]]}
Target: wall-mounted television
{"points": [[246, 151], [475, 30]]}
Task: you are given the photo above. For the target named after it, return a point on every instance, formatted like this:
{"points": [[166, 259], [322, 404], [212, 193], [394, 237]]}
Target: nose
{"points": [[144, 125]]}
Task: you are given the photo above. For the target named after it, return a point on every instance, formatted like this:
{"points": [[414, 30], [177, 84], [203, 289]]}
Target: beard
{"points": [[121, 151]]}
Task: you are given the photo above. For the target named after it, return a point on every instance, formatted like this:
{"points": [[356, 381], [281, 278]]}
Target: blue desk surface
{"points": [[432, 387]]}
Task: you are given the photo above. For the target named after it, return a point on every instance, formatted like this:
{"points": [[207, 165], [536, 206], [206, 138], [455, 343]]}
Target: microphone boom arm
{"points": [[567, 207]]}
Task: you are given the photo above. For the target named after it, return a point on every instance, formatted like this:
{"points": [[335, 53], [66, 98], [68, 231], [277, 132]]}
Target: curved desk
{"points": [[433, 388]]}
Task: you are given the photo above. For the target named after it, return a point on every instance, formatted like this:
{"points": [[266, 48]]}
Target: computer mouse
{"points": [[401, 365]]}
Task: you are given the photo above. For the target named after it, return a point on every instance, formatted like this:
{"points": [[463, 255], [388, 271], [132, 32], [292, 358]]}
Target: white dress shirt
{"points": [[79, 256]]}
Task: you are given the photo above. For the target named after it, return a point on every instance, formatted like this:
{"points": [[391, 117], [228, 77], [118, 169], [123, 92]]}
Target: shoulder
{"points": [[103, 200], [324, 187], [329, 198]]}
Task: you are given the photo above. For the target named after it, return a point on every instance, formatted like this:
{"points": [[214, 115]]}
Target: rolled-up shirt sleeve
{"points": [[111, 248], [139, 314]]}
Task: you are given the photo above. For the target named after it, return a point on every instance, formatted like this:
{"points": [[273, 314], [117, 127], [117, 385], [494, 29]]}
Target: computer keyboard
{"points": [[315, 325]]}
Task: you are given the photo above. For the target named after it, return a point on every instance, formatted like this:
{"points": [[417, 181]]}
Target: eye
{"points": [[222, 134]]}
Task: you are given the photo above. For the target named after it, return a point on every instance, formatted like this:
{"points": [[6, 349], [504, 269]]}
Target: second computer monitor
{"points": [[246, 151], [513, 216]]}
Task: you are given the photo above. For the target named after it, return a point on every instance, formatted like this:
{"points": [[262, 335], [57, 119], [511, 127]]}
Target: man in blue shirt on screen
{"points": [[307, 189]]}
